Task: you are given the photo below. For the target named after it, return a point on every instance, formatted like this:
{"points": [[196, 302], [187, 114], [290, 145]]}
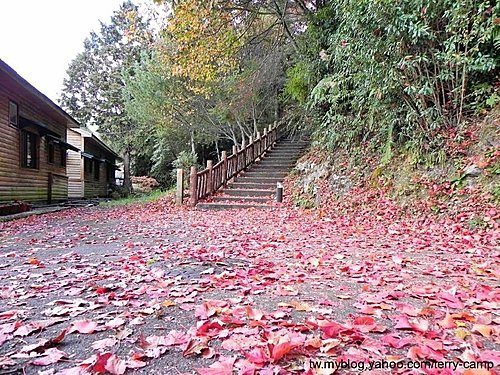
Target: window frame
{"points": [[34, 148], [64, 157], [51, 152], [97, 170], [109, 172], [13, 124], [88, 166]]}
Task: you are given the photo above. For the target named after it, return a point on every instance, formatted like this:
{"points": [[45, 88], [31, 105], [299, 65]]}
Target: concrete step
{"points": [[283, 152], [231, 206], [281, 159], [259, 180], [242, 199], [275, 153], [287, 148], [250, 185], [277, 167], [249, 192], [264, 169], [265, 174]]}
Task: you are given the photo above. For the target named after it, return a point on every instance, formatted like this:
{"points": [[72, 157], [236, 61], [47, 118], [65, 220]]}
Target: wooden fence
{"points": [[213, 177]]}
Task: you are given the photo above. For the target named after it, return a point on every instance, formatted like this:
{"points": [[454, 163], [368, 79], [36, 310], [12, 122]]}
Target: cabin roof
{"points": [[71, 122], [88, 134]]}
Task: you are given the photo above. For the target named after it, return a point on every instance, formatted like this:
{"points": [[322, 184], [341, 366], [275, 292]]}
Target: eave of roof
{"points": [[86, 133], [72, 123]]}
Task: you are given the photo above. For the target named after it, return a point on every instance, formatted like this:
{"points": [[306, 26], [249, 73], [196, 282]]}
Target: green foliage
{"points": [[298, 82], [184, 161], [303, 200], [477, 222], [137, 199], [402, 72], [93, 91]]}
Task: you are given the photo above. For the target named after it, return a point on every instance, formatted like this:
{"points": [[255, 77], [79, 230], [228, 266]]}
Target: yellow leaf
{"points": [[462, 333], [168, 303], [483, 329]]}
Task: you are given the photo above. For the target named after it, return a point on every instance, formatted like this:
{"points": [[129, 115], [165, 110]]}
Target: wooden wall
{"points": [[92, 187], [74, 167], [23, 183]]}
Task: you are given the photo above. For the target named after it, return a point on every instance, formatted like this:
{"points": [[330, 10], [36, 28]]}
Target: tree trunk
{"points": [[217, 149], [193, 146], [127, 183]]}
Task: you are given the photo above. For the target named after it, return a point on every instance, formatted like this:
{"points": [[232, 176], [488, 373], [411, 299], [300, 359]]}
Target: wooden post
{"points": [[193, 186], [250, 152], [244, 152], [259, 146], [210, 178], [179, 193], [224, 168], [235, 162], [266, 141]]}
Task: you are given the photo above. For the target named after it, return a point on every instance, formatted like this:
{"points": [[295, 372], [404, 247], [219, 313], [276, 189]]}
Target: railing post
{"points": [[251, 145], [244, 152], [210, 178], [224, 168], [266, 141], [179, 193], [235, 162], [193, 186], [259, 146]]}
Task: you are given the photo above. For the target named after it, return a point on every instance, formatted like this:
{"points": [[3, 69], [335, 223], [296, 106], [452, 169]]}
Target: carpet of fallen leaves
{"points": [[155, 289]]}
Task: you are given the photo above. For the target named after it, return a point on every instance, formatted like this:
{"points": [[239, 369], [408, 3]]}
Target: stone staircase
{"points": [[256, 187]]}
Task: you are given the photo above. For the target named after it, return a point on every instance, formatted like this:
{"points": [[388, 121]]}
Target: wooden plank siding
{"points": [[96, 187], [16, 182], [74, 166], [83, 182]]}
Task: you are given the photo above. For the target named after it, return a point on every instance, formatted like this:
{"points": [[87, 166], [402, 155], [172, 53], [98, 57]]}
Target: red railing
{"points": [[208, 181]]}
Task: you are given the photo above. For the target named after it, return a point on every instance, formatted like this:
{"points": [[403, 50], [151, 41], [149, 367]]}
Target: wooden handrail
{"points": [[208, 181]]}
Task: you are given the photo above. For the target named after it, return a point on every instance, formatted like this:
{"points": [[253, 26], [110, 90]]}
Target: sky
{"points": [[39, 38]]}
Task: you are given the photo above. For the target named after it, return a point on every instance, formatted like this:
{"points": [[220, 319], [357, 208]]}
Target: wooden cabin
{"points": [[33, 150], [91, 172]]}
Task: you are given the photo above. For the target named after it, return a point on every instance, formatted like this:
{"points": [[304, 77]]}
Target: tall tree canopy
{"points": [[355, 73], [93, 91]]}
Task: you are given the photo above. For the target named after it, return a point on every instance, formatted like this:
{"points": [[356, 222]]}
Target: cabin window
{"points": [[63, 157], [50, 152], [29, 148], [87, 165], [13, 114], [109, 172], [97, 170]]}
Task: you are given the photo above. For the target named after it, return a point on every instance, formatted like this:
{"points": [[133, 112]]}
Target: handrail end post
{"points": [[179, 191], [193, 186], [210, 179], [224, 168]]}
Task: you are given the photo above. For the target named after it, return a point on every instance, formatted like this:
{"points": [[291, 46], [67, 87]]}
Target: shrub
{"points": [[406, 71], [184, 161]]}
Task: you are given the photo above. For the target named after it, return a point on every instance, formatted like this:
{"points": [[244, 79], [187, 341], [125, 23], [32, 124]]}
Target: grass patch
{"points": [[137, 198]]}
